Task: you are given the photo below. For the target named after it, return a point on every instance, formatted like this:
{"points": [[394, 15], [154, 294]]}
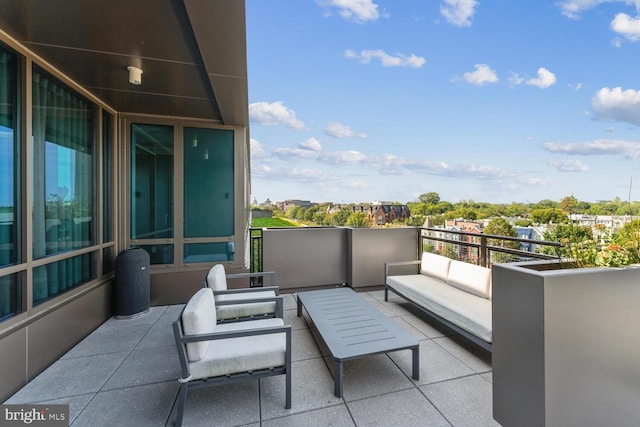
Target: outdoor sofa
{"points": [[455, 293]]}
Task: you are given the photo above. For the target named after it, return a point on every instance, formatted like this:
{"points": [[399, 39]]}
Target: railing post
{"points": [[483, 251]]}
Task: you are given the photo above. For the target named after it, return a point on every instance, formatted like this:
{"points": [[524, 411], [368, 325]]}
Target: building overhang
{"points": [[192, 52]]}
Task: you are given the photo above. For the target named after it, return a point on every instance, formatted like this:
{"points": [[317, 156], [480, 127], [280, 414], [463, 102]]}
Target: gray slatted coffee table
{"points": [[352, 328]]}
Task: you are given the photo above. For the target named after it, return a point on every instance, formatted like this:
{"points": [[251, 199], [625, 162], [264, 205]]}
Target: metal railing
{"points": [[482, 249]]}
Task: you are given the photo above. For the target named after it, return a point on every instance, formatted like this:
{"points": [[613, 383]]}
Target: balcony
{"points": [[125, 373]]}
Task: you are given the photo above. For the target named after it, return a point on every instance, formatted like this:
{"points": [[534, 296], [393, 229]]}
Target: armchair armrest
{"points": [[236, 334], [270, 274], [279, 312], [275, 289]]}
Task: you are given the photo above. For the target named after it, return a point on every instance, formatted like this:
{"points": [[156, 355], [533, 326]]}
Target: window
{"points": [[208, 193], [10, 201], [63, 185], [203, 160], [208, 182], [151, 181]]}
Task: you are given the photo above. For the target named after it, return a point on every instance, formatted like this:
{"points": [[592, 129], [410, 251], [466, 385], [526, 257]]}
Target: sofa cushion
{"points": [[234, 355], [199, 317], [217, 278], [468, 311], [470, 278], [435, 265]]}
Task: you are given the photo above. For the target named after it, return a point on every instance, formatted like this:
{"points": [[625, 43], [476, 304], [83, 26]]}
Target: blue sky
{"points": [[498, 101]]}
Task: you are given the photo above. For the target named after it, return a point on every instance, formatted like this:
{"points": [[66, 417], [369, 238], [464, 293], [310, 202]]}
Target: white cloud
{"points": [[274, 113], [458, 12], [515, 79], [359, 11], [627, 26], [301, 153], [399, 60], [311, 144], [544, 80], [617, 104], [343, 157], [338, 130], [628, 149], [257, 152], [575, 87], [482, 75], [573, 8], [572, 165]]}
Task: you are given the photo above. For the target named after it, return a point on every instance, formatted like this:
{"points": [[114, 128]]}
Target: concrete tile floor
{"points": [[125, 373]]}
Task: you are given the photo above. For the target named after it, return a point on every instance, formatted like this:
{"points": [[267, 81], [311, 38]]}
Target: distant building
{"points": [[383, 213], [292, 203]]}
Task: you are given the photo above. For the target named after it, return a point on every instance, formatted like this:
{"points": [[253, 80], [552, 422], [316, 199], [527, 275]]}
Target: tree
{"points": [[441, 208], [501, 227], [340, 217], [516, 209], [358, 220], [549, 215], [416, 220], [569, 204], [431, 198]]}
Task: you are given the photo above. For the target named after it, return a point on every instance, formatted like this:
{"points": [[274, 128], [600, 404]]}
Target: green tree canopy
{"points": [[549, 215], [340, 218], [431, 198], [358, 220]]}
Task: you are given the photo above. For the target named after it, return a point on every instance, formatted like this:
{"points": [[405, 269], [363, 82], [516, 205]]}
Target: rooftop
{"points": [[126, 371]]}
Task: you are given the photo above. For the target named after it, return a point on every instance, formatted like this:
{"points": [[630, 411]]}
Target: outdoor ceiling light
{"points": [[135, 75]]}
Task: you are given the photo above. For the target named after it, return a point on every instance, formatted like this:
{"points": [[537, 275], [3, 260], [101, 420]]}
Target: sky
{"points": [[495, 101]]}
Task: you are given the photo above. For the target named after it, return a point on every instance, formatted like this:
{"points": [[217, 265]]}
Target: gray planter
{"points": [[566, 345]]}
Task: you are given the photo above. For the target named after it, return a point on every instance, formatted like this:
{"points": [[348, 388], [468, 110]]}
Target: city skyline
{"points": [[500, 102]]}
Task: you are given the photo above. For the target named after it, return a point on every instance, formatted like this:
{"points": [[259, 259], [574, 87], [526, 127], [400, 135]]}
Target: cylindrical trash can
{"points": [[132, 293]]}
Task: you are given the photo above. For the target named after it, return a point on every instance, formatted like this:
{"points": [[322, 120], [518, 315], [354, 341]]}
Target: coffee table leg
{"points": [[415, 352], [337, 378], [299, 307]]}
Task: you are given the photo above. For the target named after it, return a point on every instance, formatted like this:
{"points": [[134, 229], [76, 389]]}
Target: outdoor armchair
{"points": [[212, 353], [246, 303]]}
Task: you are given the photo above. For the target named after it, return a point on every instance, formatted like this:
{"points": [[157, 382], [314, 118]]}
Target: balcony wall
{"points": [[312, 257]]}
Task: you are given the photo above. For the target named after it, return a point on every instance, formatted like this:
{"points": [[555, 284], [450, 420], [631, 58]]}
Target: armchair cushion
{"points": [[244, 354], [199, 317], [217, 278]]}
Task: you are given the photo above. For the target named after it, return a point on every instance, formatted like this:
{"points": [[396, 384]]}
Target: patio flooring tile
{"points": [[333, 416], [436, 364], [312, 388], [372, 376], [408, 408], [477, 359], [110, 340], [134, 406], [145, 367], [463, 401], [303, 346], [70, 377], [125, 373], [224, 405]]}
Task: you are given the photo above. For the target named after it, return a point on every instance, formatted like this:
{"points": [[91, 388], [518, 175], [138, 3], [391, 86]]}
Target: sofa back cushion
{"points": [[199, 317], [217, 278], [470, 278], [435, 265]]}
